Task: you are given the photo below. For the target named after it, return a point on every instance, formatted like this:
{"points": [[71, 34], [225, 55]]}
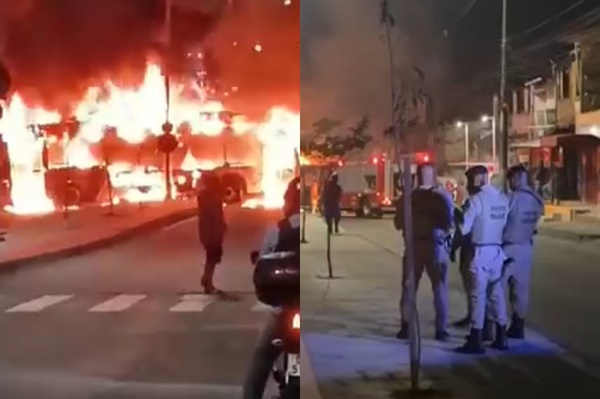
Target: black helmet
{"points": [[516, 170], [476, 171]]}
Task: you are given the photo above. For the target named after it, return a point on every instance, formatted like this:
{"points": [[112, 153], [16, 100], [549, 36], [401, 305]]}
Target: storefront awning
{"points": [[527, 144], [552, 140]]}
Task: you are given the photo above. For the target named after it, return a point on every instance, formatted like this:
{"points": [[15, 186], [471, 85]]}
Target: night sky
{"points": [[456, 43]]}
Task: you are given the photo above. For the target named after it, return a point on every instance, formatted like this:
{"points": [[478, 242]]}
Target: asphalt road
{"points": [[130, 321]]}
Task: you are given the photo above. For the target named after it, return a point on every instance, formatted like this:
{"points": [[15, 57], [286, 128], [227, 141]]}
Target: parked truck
{"points": [[371, 187]]}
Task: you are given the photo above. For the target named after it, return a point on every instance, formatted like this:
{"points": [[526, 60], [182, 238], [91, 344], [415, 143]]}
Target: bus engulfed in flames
{"points": [[116, 130]]}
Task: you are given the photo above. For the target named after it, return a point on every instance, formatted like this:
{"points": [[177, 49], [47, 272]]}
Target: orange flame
{"points": [[134, 114]]}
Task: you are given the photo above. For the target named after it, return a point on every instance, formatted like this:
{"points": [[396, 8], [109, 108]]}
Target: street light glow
{"points": [[485, 118], [459, 124]]}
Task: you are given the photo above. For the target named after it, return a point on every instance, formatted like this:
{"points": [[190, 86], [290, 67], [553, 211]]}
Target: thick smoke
{"points": [[266, 78], [57, 48], [345, 66]]}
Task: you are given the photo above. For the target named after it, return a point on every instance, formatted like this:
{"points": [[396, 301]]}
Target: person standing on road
{"points": [[211, 226], [526, 208], [332, 196], [433, 211], [485, 218]]}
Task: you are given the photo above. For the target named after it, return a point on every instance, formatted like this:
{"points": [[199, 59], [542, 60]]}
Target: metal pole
{"points": [[168, 193], [303, 207], [503, 108], [467, 145], [494, 160]]}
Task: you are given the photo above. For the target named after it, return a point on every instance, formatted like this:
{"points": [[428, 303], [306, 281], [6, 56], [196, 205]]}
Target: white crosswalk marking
{"points": [[118, 303], [261, 307], [39, 304], [193, 303]]}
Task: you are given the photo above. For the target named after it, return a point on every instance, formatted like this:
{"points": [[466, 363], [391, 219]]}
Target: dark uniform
{"points": [[432, 220]]}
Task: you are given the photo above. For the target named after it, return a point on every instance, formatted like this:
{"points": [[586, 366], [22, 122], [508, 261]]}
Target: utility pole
{"points": [[168, 194], [503, 125]]}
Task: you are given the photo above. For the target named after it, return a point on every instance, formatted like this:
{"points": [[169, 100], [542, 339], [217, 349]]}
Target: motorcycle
{"points": [[275, 276]]}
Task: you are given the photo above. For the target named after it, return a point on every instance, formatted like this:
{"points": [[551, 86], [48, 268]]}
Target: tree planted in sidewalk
{"points": [[406, 100], [323, 145]]}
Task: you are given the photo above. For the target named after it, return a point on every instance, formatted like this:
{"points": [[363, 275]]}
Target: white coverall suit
{"points": [[525, 209], [431, 254], [485, 218]]}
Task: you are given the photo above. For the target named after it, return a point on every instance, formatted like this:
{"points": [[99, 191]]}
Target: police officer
{"points": [[485, 219], [463, 243], [432, 208], [525, 209]]}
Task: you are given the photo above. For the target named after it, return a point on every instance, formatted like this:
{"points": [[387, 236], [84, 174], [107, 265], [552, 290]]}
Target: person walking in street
{"points": [[485, 219], [332, 195], [526, 208], [432, 210], [211, 226]]}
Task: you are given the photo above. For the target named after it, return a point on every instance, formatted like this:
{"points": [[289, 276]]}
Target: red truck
{"points": [[372, 187]]}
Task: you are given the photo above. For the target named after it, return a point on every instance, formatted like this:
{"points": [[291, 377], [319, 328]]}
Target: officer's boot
{"points": [[500, 343], [403, 333], [517, 328], [464, 322], [474, 344], [488, 331]]}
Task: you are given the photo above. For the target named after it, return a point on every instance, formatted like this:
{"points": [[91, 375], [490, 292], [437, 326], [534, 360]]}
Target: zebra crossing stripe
{"points": [[118, 303], [39, 304], [193, 303], [261, 307]]}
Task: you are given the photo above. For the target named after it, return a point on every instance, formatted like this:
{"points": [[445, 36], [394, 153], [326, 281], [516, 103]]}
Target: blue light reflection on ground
{"points": [[336, 356]]}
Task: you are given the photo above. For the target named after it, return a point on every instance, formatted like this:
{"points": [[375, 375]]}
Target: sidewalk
{"points": [[572, 231], [33, 239], [349, 325]]}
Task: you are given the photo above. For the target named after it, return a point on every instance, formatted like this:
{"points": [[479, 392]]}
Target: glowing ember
{"points": [[134, 114]]}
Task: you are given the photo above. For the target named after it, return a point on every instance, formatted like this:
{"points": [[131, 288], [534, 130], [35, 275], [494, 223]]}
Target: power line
{"points": [[547, 21], [466, 11]]}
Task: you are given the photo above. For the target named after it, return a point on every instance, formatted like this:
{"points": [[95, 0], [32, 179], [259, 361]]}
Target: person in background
{"points": [[526, 208], [211, 226], [332, 196], [432, 210], [314, 196]]}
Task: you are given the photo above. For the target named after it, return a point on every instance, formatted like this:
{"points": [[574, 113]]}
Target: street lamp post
{"points": [[466, 127], [486, 119]]}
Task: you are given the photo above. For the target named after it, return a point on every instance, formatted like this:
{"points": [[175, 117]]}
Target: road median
{"points": [[33, 240]]}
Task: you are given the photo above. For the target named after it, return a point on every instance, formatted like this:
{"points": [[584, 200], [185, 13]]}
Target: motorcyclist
{"points": [[281, 238]]}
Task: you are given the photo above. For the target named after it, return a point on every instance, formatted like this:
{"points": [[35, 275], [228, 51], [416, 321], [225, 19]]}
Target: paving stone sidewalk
{"points": [[349, 325]]}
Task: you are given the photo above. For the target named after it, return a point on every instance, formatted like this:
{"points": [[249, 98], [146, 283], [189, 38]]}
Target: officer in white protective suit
{"points": [[432, 210], [485, 219], [525, 209]]}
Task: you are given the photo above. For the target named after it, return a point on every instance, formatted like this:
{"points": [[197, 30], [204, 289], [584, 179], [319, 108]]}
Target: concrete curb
{"points": [[13, 265], [567, 235]]}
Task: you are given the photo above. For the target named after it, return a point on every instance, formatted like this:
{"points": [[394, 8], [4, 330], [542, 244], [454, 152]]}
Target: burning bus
{"points": [[107, 149]]}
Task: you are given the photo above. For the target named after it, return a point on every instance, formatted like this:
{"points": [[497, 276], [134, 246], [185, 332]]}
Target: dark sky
{"points": [[57, 48], [456, 42]]}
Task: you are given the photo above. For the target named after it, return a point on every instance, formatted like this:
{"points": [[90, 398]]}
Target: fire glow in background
{"points": [[134, 114]]}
